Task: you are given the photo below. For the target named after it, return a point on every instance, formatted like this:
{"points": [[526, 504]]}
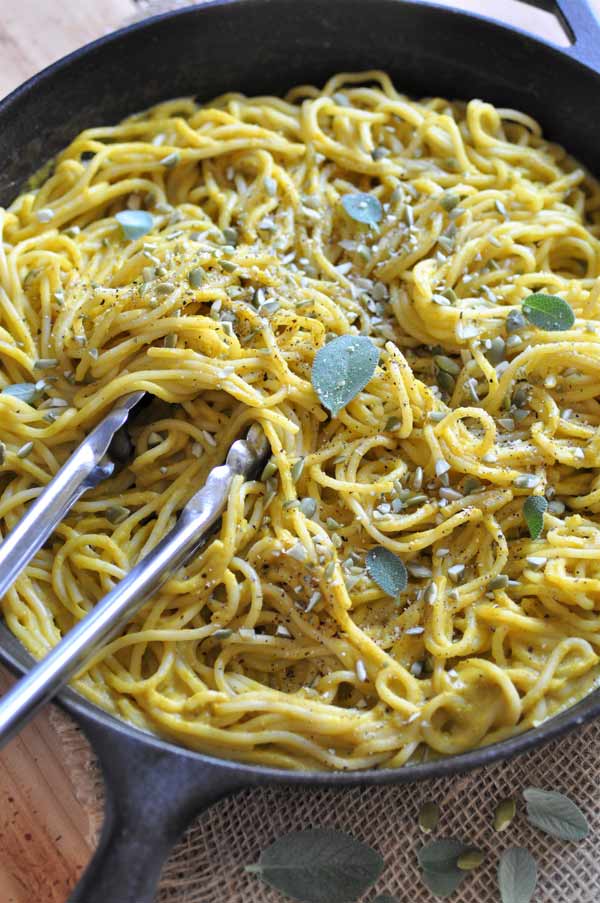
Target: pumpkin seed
{"points": [[196, 277], [515, 321], [231, 236], [297, 469], [45, 363], [329, 570], [447, 364], [497, 350], [270, 469], [526, 481], [134, 223], [429, 816], [504, 814], [222, 633], [446, 382], [456, 572], [116, 514], [470, 860], [431, 593], [392, 424], [308, 506], [449, 201], [170, 160], [27, 392]]}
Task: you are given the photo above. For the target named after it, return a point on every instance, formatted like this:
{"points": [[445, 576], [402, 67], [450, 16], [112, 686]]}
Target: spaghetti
{"points": [[275, 646]]}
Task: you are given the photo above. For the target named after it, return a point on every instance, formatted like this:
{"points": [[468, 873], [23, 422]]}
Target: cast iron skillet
{"points": [[153, 787]]}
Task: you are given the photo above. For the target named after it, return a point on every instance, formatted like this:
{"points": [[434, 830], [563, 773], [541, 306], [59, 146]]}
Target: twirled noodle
{"points": [[274, 645]]}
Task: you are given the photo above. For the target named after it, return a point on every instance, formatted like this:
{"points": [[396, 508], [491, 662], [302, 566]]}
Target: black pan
{"points": [[153, 787]]}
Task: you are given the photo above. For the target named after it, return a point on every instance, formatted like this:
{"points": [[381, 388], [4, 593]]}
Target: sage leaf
{"points": [[27, 392], [548, 312], [555, 814], [517, 875], [387, 571], [386, 898], [362, 207], [341, 369], [319, 866], [443, 884], [438, 860], [134, 223], [534, 509]]}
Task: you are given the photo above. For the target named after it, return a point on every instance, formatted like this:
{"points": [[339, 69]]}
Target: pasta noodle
{"points": [[274, 645]]}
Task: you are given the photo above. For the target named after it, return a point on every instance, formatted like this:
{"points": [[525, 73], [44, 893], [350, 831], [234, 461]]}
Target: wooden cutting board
{"points": [[44, 829]]}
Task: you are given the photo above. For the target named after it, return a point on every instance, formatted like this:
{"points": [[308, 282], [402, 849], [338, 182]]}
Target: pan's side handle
{"points": [[583, 25], [152, 794]]}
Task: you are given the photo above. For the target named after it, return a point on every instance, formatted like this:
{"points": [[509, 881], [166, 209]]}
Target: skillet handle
{"points": [[152, 794], [583, 25]]}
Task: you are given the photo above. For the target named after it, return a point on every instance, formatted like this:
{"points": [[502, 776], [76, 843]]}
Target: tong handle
{"points": [[82, 471], [114, 611]]}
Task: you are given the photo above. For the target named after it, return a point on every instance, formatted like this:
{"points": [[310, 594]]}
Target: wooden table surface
{"points": [[44, 830]]}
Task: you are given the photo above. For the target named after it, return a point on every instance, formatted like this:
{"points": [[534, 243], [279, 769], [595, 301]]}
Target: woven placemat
{"points": [[207, 865]]}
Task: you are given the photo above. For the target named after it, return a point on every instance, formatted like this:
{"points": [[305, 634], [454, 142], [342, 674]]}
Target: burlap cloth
{"points": [[207, 865]]}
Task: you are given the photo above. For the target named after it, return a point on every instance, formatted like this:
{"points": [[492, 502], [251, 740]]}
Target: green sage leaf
{"points": [[548, 312], [438, 861], [534, 509], [27, 392], [387, 571], [443, 884], [341, 369], [517, 875], [319, 866], [362, 207], [134, 223], [555, 814]]}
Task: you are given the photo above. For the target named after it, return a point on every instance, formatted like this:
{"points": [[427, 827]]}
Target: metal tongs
{"points": [[86, 468]]}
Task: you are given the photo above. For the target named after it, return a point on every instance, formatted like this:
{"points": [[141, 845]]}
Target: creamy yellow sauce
{"points": [[275, 645]]}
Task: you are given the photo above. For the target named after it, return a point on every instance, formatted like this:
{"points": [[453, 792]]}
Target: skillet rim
{"points": [[93, 718]]}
